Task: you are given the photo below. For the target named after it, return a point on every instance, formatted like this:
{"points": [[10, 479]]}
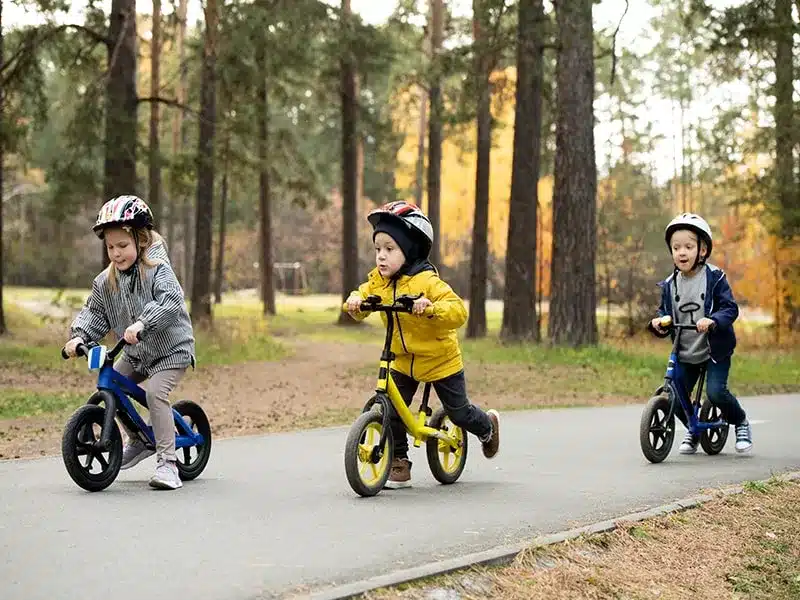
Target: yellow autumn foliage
{"points": [[458, 176]]}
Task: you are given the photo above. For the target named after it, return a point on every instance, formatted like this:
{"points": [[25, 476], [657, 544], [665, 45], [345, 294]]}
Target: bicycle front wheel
{"points": [[365, 474]]}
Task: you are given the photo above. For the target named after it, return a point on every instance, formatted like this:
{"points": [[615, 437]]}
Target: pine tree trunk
{"points": [[573, 319], [201, 287], [349, 107], [121, 105], [154, 175], [476, 324], [177, 200], [3, 328], [435, 130], [223, 204], [264, 195], [787, 187], [519, 301]]}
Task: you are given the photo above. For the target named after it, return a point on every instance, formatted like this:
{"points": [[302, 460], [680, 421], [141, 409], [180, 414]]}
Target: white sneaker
{"points": [[166, 476], [744, 437], [689, 444], [134, 453]]}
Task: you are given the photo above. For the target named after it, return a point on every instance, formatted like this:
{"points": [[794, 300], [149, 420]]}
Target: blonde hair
{"points": [[144, 239]]}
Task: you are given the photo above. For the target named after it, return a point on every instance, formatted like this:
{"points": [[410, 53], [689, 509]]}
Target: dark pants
{"points": [[716, 389], [452, 392]]}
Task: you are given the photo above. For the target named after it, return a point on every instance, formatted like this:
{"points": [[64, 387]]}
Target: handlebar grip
{"points": [[80, 350]]}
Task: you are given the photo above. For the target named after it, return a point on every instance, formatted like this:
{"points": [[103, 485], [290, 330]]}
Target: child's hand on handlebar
{"points": [[71, 347], [132, 333], [420, 304], [353, 304], [705, 324], [656, 325]]}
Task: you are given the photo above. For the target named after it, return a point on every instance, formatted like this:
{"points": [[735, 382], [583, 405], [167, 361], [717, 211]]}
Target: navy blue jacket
{"points": [[719, 306]]}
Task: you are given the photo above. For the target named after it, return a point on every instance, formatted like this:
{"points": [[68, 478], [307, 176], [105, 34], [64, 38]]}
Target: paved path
{"points": [[273, 514]]}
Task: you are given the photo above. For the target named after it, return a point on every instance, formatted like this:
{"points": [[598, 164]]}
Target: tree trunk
{"points": [[419, 175], [476, 324], [177, 200], [349, 163], [121, 104], [223, 204], [787, 191], [3, 328], [154, 185], [519, 301], [573, 318], [201, 287], [435, 130], [264, 197]]}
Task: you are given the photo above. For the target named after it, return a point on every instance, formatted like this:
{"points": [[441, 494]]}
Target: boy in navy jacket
{"points": [[689, 240]]}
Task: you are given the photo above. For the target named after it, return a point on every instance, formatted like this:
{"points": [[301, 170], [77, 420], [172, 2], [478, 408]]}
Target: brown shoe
{"points": [[492, 445], [400, 475]]}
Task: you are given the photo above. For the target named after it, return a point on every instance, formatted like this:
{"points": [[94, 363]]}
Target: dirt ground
{"points": [[320, 384], [742, 546]]}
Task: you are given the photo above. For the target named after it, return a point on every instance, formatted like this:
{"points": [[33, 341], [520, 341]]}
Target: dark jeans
{"points": [[452, 392], [716, 389]]}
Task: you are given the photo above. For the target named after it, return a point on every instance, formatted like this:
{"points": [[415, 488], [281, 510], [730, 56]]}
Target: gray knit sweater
{"points": [[155, 299]]}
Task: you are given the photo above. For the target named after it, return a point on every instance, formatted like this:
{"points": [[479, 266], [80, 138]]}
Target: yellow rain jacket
{"points": [[426, 346]]}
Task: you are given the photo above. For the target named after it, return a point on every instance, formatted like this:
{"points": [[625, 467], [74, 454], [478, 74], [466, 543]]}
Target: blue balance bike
{"points": [[657, 426], [92, 444]]}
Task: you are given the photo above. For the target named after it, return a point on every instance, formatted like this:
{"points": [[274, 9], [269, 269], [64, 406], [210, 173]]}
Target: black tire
{"points": [[190, 467], [358, 448], [81, 431], [657, 429], [712, 440], [444, 474]]}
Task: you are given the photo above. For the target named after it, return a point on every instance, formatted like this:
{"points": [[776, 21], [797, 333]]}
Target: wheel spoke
{"points": [[187, 455], [102, 460]]}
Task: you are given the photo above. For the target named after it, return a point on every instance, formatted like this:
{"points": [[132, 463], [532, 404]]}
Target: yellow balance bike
{"points": [[369, 447]]}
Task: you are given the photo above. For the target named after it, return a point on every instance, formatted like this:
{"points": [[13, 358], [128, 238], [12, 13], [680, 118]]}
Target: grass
{"points": [[741, 546], [24, 403]]}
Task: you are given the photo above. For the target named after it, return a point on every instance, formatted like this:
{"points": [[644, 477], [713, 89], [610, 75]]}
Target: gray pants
{"points": [[158, 388]]}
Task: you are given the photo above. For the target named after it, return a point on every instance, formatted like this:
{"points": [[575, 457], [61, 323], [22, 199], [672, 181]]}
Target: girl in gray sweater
{"points": [[138, 296]]}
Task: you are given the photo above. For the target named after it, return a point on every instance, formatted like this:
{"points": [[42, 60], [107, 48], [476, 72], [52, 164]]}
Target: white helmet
{"points": [[694, 223], [409, 216]]}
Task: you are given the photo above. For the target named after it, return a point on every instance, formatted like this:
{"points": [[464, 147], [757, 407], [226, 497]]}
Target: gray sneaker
{"points": [[134, 453], [166, 476], [689, 444]]}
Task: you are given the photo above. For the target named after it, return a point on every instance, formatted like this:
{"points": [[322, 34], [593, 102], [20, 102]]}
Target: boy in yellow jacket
{"points": [[426, 347]]}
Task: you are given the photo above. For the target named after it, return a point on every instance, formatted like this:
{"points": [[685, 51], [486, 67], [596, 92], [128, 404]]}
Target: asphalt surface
{"points": [[274, 515]]}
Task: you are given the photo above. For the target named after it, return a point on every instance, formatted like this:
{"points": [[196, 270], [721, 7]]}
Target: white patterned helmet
{"points": [[692, 222], [409, 216], [123, 210]]}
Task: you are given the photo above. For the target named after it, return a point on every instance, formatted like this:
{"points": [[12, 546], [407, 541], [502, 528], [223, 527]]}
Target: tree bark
{"points": [[435, 129], [573, 319], [349, 107], [519, 301], [121, 105], [264, 196], [476, 324], [3, 328], [177, 200], [154, 185], [223, 204], [201, 287]]}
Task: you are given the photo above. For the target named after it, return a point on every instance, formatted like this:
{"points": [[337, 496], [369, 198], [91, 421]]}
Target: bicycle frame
{"points": [[673, 381], [114, 390], [386, 392]]}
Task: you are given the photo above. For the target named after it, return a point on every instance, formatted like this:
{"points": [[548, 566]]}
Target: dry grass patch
{"points": [[736, 547]]}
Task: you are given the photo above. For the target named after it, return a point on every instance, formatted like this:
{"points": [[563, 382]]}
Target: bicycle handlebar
{"points": [[83, 349], [402, 304]]}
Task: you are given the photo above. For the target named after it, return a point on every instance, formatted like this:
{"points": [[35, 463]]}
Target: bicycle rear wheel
{"points": [[446, 463]]}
